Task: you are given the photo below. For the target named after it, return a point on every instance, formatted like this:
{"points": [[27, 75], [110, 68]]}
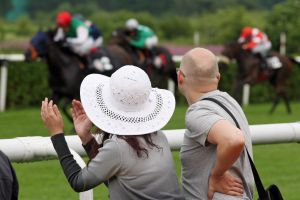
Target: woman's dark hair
{"points": [[132, 140]]}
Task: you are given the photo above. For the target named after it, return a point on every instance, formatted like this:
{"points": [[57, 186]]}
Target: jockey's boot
{"points": [[263, 62], [86, 62], [89, 62]]}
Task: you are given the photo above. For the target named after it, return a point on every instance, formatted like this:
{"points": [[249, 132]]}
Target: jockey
{"points": [[255, 41], [144, 38], [140, 36], [77, 34], [95, 32]]}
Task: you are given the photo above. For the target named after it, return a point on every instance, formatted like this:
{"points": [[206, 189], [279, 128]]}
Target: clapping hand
{"points": [[52, 117], [82, 123]]}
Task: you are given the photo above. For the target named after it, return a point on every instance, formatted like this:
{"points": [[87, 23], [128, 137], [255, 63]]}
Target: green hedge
{"points": [[28, 84]]}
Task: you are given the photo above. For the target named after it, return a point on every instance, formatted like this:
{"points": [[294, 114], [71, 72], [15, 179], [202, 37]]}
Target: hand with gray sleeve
{"points": [[134, 159], [213, 155]]}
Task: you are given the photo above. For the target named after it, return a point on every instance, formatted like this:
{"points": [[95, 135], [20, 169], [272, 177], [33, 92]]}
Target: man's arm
{"points": [[230, 143]]}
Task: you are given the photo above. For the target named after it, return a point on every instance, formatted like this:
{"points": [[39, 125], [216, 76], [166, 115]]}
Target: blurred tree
{"points": [[285, 17], [24, 26], [225, 24], [5, 6], [175, 26], [157, 7], [18, 9], [2, 32]]}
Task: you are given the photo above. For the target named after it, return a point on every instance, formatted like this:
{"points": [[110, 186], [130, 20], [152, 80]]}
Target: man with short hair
{"points": [[213, 155]]}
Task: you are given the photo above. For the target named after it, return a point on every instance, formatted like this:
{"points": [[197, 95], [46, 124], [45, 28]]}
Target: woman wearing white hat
{"points": [[135, 161]]}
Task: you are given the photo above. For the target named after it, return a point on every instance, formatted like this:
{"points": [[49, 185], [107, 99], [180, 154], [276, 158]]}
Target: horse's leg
{"points": [[56, 97], [236, 91], [287, 103], [280, 89], [275, 103]]}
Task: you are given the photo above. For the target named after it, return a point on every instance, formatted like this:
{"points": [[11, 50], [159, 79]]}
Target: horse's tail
{"points": [[295, 60]]}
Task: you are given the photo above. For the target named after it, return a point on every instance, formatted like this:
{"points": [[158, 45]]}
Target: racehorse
{"points": [[144, 58], [250, 71], [66, 71]]}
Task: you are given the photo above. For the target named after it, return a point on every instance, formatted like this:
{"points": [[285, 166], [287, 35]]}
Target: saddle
{"points": [[273, 62], [151, 58], [140, 57], [268, 64]]}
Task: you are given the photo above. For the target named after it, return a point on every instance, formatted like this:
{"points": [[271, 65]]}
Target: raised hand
{"points": [[52, 117], [82, 123], [226, 184]]}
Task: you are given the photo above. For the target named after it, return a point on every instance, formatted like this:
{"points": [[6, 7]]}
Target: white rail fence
{"points": [[28, 149]]}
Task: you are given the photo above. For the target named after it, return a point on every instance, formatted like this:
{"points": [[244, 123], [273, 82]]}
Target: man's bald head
{"points": [[200, 65]]}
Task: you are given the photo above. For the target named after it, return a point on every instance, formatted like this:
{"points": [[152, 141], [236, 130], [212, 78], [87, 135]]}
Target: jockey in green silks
{"points": [[141, 36]]}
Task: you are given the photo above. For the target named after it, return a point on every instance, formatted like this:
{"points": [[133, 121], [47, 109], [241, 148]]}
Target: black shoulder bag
{"points": [[272, 192]]}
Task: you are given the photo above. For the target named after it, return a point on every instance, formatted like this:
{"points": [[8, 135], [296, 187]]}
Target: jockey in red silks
{"points": [[77, 34], [255, 41]]}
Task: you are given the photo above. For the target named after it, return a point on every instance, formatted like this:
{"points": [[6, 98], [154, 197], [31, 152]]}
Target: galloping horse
{"points": [[250, 71], [143, 58], [66, 70]]}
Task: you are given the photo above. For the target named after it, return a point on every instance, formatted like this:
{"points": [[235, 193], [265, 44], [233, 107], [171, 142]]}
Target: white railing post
{"points": [[87, 195], [171, 85], [246, 94], [282, 43], [4, 59], [3, 85], [196, 38]]}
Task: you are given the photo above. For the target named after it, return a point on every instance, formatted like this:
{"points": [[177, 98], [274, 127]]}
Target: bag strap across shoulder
{"points": [[259, 186]]}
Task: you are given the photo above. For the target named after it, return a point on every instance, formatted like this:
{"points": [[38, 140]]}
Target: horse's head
{"points": [[231, 50], [119, 37], [37, 47]]}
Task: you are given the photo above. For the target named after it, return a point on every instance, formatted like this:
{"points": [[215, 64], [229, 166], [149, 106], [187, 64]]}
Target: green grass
{"points": [[44, 180]]}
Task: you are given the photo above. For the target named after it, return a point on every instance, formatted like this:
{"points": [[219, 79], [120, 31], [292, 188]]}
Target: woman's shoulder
{"points": [[115, 140], [160, 134]]}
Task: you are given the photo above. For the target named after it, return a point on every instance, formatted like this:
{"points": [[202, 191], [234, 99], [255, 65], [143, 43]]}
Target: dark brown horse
{"points": [[249, 71], [66, 70], [144, 58]]}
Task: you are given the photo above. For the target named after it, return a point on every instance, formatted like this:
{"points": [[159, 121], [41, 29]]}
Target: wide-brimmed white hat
{"points": [[126, 104]]}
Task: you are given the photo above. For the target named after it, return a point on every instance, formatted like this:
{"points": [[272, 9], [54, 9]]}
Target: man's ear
{"points": [[219, 76], [180, 78]]}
